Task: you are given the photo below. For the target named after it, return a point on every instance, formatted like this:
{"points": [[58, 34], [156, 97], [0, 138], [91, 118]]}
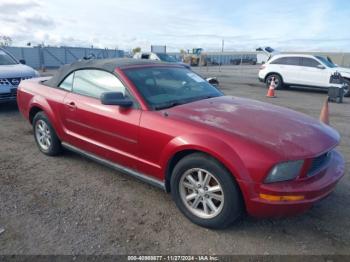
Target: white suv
{"points": [[302, 70]]}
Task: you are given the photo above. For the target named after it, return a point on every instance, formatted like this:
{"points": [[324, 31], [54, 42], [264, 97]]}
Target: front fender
{"points": [[210, 145], [345, 75]]}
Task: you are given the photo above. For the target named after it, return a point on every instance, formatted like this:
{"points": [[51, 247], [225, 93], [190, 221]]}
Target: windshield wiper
{"points": [[202, 97], [167, 105], [185, 101]]}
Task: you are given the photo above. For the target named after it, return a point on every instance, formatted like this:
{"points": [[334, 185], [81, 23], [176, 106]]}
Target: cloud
{"points": [[40, 21], [23, 21], [15, 7], [244, 25]]}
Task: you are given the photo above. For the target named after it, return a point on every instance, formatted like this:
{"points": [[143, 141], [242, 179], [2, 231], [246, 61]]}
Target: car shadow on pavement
{"points": [[305, 89], [8, 107]]}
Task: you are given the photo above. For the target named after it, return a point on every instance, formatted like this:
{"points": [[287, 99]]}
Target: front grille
{"points": [[4, 81], [318, 163], [11, 95], [14, 81]]}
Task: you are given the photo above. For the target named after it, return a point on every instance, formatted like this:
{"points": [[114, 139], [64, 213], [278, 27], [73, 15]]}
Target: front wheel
{"points": [[205, 191], [278, 81]]}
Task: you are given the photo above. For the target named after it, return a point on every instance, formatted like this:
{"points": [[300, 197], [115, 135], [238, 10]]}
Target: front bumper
{"points": [[313, 189], [8, 93], [8, 87]]}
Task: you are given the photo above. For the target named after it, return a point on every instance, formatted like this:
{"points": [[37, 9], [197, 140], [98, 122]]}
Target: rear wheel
{"points": [[45, 136], [278, 81], [205, 191]]}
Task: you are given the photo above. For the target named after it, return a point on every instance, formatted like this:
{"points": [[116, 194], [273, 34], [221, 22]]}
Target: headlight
{"points": [[284, 171]]}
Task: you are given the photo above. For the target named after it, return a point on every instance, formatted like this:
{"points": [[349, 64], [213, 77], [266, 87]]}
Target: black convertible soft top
{"points": [[108, 65]]}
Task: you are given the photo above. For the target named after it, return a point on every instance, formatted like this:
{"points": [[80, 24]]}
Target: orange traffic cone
{"points": [[324, 116], [271, 91]]}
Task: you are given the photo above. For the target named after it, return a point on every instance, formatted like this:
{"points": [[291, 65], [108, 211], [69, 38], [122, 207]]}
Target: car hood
{"points": [[17, 70], [343, 70], [291, 134]]}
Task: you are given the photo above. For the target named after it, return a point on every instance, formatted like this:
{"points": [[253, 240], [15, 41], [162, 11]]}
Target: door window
{"points": [[292, 60], [93, 83], [309, 62], [67, 83], [145, 56]]}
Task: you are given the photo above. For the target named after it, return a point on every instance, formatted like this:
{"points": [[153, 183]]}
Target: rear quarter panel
{"points": [[32, 93]]}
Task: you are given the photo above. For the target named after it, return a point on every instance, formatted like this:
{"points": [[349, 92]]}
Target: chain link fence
{"points": [[54, 57]]}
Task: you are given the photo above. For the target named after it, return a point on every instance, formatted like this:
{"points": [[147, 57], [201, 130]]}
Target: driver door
{"points": [[108, 131]]}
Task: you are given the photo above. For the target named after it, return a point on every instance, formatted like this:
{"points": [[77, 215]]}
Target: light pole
{"points": [[222, 51]]}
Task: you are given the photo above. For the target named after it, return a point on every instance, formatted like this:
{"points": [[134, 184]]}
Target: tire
{"points": [[45, 136], [225, 211], [347, 89], [278, 81]]}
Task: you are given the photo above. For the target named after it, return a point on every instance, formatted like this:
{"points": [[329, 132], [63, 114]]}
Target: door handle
{"points": [[71, 106]]}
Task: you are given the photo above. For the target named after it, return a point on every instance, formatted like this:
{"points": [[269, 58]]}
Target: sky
{"points": [[286, 25]]}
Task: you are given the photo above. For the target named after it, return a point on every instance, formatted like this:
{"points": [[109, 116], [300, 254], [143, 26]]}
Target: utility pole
{"points": [[222, 51]]}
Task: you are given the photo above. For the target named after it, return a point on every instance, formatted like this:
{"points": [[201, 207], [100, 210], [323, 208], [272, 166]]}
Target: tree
{"points": [[136, 50], [5, 40]]}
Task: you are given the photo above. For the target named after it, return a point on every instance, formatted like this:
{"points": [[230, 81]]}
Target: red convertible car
{"points": [[218, 155]]}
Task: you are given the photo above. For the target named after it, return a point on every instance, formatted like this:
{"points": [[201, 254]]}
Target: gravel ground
{"points": [[70, 205]]}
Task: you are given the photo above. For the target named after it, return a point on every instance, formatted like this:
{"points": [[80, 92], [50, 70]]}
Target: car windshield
{"points": [[5, 59], [269, 49], [164, 87], [326, 61], [166, 58]]}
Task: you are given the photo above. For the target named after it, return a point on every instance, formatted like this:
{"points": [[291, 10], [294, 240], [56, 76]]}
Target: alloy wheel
{"points": [[43, 135], [276, 80], [201, 193], [347, 88]]}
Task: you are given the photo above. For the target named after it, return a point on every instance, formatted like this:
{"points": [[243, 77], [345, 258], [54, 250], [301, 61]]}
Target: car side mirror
{"points": [[321, 67], [22, 61], [115, 98], [213, 81]]}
